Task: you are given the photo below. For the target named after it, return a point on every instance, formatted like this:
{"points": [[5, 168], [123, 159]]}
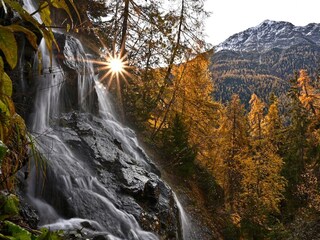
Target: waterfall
{"points": [[184, 221], [73, 174], [50, 79], [87, 153], [30, 6]]}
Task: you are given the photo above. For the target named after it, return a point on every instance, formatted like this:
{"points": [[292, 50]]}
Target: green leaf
{"points": [[4, 109], [48, 235], [17, 232], [18, 121], [3, 237], [30, 35], [9, 103], [8, 46], [6, 85], [45, 233]]}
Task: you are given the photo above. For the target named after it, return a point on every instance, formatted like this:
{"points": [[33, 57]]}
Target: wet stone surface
{"points": [[116, 181]]}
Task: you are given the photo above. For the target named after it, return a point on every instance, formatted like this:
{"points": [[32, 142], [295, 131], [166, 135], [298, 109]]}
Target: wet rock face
{"points": [[30, 215], [96, 177], [71, 59], [115, 177]]}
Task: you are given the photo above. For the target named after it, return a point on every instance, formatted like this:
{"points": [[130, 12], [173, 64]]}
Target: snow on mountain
{"points": [[272, 34]]}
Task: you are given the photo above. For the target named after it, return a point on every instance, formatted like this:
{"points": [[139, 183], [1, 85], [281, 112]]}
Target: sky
{"points": [[232, 16]]}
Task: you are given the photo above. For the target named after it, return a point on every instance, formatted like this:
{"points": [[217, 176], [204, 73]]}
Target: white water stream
{"points": [[74, 174], [67, 165]]}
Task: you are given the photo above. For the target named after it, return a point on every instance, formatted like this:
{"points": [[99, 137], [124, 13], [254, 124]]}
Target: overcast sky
{"points": [[232, 16]]}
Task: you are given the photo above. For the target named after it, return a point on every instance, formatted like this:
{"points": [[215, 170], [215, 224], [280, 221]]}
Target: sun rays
{"points": [[112, 69], [116, 65]]}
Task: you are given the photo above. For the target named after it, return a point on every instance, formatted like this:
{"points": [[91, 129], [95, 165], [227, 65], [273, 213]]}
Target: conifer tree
{"points": [[176, 146], [232, 147], [295, 148], [255, 116], [309, 98], [272, 125], [262, 182]]}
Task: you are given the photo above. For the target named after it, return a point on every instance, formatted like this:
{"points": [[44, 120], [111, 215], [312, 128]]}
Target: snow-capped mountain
{"points": [[272, 34], [263, 59]]}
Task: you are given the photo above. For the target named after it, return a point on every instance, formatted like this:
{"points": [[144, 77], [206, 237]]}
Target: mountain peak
{"points": [[267, 22], [272, 34]]}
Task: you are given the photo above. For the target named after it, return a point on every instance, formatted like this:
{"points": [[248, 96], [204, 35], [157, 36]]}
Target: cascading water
{"points": [[48, 92], [97, 177], [74, 174], [184, 221]]}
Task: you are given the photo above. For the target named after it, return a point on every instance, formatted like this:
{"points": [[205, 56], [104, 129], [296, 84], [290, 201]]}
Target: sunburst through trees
{"points": [[113, 69]]}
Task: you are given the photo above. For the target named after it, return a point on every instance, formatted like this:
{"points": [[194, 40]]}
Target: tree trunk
{"points": [[124, 28]]}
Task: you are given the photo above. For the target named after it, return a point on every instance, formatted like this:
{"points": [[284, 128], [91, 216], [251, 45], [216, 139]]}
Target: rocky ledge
{"points": [[118, 185]]}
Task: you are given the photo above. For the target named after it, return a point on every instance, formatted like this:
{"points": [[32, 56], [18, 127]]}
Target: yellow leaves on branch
{"points": [[193, 87], [309, 96], [262, 181], [245, 160], [64, 5], [8, 46], [44, 28], [255, 116]]}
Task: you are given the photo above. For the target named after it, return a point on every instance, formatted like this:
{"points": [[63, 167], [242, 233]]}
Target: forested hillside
{"points": [[252, 153], [263, 59]]}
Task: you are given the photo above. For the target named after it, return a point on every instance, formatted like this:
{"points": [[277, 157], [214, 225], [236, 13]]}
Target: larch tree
{"points": [[308, 188], [255, 116], [232, 148], [194, 102], [309, 98], [272, 124], [190, 96], [262, 183]]}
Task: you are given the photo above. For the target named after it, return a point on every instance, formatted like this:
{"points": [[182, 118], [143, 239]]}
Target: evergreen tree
{"points": [[177, 148], [294, 149]]}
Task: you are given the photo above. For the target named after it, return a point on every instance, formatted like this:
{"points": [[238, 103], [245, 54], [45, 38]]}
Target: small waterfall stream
{"points": [[76, 192]]}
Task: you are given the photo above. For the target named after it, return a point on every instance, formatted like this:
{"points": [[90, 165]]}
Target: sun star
{"points": [[116, 65]]}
